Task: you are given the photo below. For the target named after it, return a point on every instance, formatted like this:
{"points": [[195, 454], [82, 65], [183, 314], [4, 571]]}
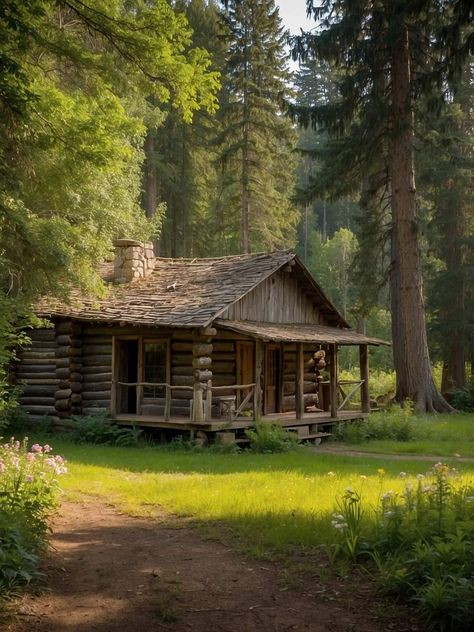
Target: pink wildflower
{"points": [[36, 448], [59, 459], [50, 462], [30, 457], [47, 447], [29, 478]]}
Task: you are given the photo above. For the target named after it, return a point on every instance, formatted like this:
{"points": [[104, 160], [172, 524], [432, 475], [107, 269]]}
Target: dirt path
{"points": [[343, 451], [110, 572]]}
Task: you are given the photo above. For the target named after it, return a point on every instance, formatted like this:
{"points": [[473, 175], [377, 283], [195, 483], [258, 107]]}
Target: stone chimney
{"points": [[133, 260]]}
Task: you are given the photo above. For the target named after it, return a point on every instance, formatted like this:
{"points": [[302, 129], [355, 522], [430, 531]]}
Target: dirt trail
{"points": [[343, 451], [110, 572]]}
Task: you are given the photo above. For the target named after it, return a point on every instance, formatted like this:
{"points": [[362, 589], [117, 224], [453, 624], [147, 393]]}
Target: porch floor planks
{"points": [[284, 419]]}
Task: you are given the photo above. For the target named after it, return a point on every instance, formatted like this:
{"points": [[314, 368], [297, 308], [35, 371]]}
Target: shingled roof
{"points": [[186, 292], [276, 332]]}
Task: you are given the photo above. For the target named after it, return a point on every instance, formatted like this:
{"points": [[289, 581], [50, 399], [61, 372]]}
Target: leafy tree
{"points": [[256, 141], [73, 104], [380, 45]]}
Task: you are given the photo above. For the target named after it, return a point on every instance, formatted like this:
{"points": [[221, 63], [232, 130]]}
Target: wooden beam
{"points": [[364, 375], [333, 375], [258, 400], [299, 380]]}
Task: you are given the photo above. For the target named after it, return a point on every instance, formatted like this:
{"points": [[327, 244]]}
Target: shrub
{"points": [[97, 429], [464, 399], [422, 542], [266, 438], [397, 423], [28, 493]]}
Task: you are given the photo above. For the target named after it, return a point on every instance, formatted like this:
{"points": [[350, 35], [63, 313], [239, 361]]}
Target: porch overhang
{"points": [[276, 332]]}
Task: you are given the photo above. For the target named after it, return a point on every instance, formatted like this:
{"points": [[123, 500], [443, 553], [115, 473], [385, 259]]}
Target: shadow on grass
{"points": [[164, 460]]}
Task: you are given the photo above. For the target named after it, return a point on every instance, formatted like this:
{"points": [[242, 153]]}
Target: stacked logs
{"points": [[68, 396], [202, 368], [96, 370], [289, 378], [36, 374]]}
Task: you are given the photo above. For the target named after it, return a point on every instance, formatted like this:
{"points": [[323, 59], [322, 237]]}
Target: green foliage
{"points": [[256, 142], [464, 399], [97, 429], [396, 423], [269, 438], [28, 491], [422, 541]]}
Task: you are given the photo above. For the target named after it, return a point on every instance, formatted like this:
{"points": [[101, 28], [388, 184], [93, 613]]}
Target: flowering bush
{"points": [[422, 541], [28, 493]]}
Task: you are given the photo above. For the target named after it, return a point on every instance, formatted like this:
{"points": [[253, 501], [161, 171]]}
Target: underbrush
{"points": [[28, 493], [421, 541], [396, 423], [464, 399], [97, 429], [268, 438]]}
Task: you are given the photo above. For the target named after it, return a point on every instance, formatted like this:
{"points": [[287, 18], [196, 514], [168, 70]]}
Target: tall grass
{"points": [[398, 431]]}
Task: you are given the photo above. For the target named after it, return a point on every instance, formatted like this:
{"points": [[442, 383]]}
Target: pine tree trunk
{"points": [[150, 185], [411, 355], [245, 197]]}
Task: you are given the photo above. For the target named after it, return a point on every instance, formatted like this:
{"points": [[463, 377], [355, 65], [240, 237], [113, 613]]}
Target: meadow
{"points": [[268, 502], [442, 435]]}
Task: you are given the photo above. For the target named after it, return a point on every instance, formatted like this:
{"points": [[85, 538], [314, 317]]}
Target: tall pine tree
{"points": [[257, 141], [380, 45]]}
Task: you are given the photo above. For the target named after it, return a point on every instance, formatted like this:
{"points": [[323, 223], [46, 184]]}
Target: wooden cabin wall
{"points": [[36, 374], [289, 377], [96, 369], [278, 299]]}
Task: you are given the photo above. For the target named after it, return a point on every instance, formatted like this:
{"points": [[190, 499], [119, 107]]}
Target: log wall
{"points": [[96, 369], [36, 374]]}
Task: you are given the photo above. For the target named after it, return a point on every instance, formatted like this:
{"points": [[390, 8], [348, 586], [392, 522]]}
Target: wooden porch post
{"points": [[202, 370], [364, 375], [299, 399], [333, 376], [257, 404]]}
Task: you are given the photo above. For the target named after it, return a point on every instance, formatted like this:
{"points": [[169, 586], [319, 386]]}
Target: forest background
{"points": [[169, 120]]}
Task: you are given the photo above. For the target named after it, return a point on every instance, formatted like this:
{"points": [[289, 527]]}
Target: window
{"points": [[155, 367]]}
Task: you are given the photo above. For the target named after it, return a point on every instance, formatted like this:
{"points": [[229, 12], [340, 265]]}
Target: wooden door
{"points": [[271, 401], [126, 371], [245, 366]]}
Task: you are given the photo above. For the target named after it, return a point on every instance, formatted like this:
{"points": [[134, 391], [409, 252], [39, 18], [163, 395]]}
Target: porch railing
{"points": [[208, 389], [357, 384], [169, 388], [248, 399]]}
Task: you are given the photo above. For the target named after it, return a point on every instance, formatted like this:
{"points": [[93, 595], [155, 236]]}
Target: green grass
{"points": [[440, 435], [264, 502]]}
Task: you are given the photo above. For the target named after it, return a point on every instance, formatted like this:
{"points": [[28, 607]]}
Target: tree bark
{"points": [[150, 186], [410, 347]]}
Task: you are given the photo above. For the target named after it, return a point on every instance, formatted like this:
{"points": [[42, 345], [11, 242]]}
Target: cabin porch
{"points": [[315, 425]]}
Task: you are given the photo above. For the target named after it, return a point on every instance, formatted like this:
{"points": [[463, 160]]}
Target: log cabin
{"points": [[196, 345]]}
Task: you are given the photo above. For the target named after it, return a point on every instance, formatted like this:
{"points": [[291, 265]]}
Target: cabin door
{"points": [[271, 399], [245, 366], [127, 372]]}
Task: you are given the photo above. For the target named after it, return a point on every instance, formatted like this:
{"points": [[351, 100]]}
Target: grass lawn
{"points": [[265, 502], [441, 435]]}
